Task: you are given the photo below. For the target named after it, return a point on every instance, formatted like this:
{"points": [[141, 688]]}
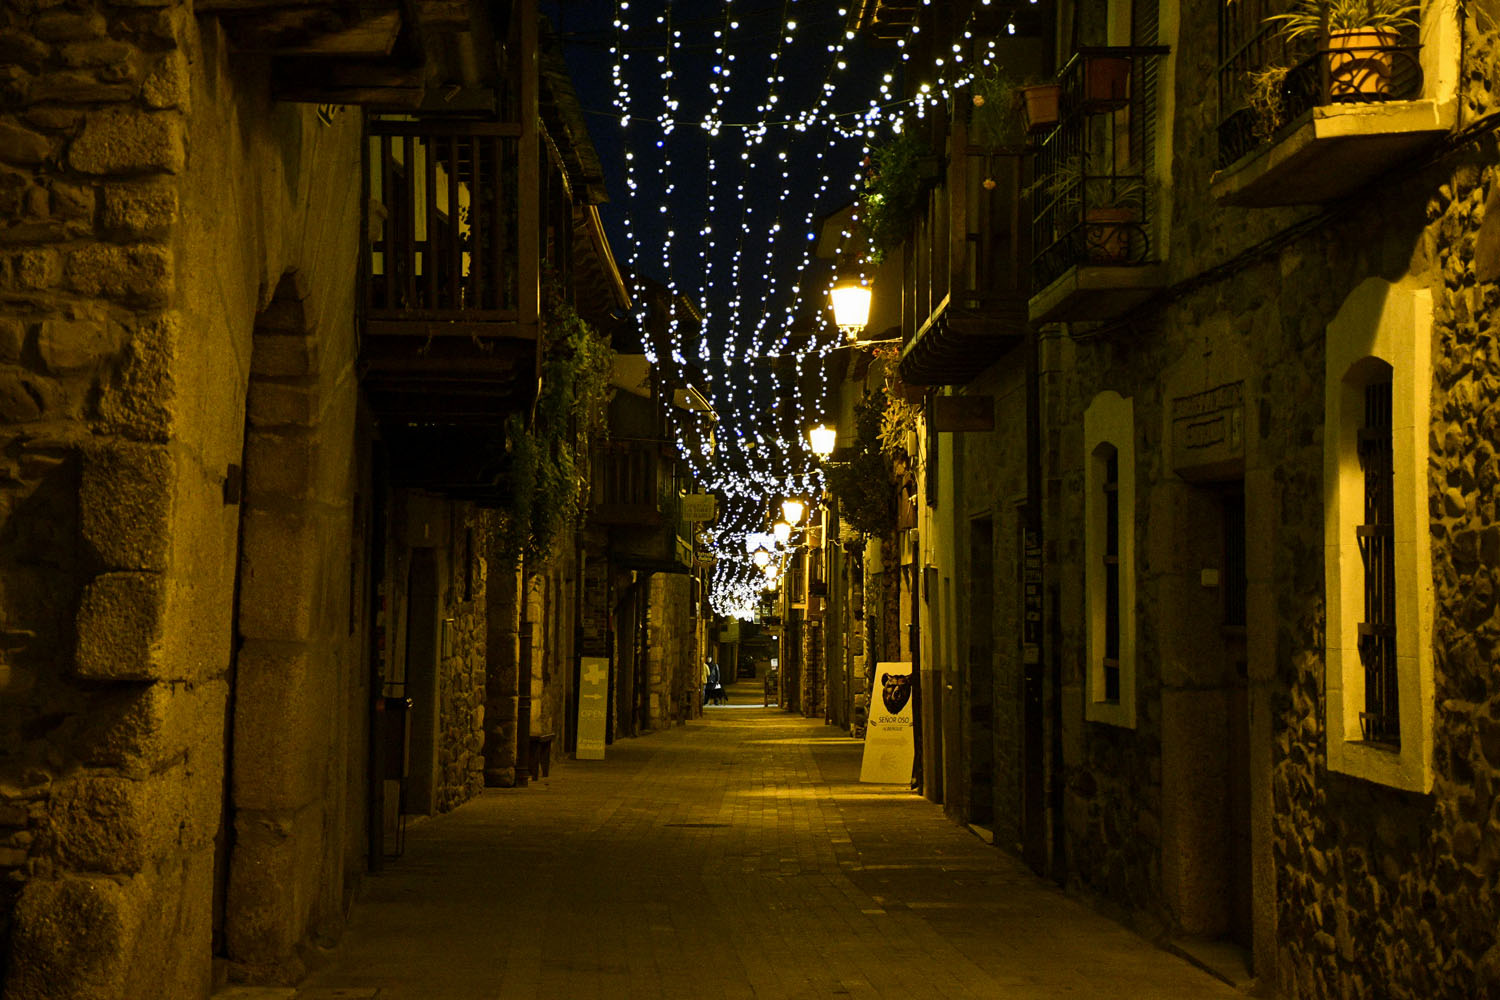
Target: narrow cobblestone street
{"points": [[734, 857]]}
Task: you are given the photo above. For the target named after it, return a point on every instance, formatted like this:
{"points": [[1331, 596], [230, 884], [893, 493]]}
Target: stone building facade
{"points": [[215, 595], [1168, 697]]}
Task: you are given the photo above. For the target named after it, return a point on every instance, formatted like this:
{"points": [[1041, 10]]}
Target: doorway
{"points": [[422, 679], [981, 672]]}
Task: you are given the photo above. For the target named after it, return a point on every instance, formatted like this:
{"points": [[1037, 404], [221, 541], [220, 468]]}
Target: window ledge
{"points": [[1332, 151]]}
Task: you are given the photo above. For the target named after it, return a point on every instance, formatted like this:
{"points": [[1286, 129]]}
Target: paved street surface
{"points": [[735, 857]]}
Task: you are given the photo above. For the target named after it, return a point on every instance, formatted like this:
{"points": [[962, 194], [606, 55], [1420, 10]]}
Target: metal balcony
{"points": [[1311, 119], [1094, 200]]}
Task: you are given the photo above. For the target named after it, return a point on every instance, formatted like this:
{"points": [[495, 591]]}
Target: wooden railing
{"points": [[443, 226]]}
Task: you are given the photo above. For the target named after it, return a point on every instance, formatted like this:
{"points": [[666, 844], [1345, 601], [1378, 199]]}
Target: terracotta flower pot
{"points": [[1041, 104], [1359, 63], [1107, 234], [1106, 82]]}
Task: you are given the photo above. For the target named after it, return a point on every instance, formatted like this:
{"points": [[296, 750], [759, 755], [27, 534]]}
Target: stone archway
{"points": [[295, 656]]}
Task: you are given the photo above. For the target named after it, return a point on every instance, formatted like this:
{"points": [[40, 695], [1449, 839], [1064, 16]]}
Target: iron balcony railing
{"points": [[1093, 200], [1268, 79]]}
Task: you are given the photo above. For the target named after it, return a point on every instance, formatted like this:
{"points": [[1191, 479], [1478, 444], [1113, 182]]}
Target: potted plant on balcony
{"points": [[1361, 35], [893, 192], [1041, 100], [997, 119], [1104, 208]]}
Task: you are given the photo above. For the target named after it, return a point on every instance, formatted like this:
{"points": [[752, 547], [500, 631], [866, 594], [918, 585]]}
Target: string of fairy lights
{"points": [[736, 171]]}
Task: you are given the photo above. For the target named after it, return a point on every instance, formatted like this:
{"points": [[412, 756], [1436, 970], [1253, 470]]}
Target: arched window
{"points": [[1378, 563], [1109, 552]]}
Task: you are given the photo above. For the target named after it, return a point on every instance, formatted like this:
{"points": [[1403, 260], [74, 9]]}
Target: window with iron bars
{"points": [[1380, 720]]}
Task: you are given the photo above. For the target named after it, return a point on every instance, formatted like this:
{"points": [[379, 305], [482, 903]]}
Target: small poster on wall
{"points": [[593, 703], [889, 743]]}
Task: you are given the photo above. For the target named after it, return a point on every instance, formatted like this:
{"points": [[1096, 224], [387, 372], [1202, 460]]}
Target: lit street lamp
{"points": [[792, 510], [782, 532], [761, 557], [821, 439], [851, 306]]}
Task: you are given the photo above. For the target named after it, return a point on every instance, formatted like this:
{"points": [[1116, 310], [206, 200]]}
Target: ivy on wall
{"points": [[546, 466], [863, 484]]}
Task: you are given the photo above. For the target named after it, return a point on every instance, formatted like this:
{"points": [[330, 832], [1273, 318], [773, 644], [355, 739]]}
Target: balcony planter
{"points": [[1041, 104], [1106, 82], [1107, 233], [1359, 63]]}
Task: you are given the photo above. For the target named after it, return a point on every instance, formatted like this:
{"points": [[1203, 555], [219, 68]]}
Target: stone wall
{"points": [[463, 671], [670, 648], [1368, 891], [160, 222]]}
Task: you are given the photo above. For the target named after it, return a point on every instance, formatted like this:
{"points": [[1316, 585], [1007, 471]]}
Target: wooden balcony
{"points": [[449, 289], [1094, 201], [1335, 110], [385, 55], [634, 495], [970, 271]]}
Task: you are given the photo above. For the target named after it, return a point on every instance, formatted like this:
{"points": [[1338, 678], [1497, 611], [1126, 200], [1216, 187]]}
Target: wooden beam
{"points": [[315, 30], [313, 80]]}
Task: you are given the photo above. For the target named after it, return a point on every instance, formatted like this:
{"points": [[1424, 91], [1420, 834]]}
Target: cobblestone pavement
{"points": [[734, 857]]}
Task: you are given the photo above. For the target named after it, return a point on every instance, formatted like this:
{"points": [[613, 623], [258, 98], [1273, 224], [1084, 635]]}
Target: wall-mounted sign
{"points": [[1208, 432], [699, 507]]}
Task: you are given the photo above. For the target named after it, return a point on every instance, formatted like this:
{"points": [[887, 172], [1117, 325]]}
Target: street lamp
{"points": [[851, 306], [761, 557], [821, 439], [792, 510], [771, 571], [782, 531]]}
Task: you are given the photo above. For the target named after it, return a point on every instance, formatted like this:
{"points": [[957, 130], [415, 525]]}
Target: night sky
{"points": [[726, 218]]}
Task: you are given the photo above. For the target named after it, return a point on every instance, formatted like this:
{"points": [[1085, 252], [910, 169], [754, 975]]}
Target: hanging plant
{"points": [[893, 193], [545, 467], [863, 485]]}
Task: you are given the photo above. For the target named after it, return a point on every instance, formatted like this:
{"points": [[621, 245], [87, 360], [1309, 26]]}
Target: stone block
{"points": [[139, 275], [281, 697], [282, 465], [137, 400], [273, 404], [140, 210], [23, 397], [284, 355], [279, 575], [120, 141], [119, 627], [34, 270], [273, 877], [22, 146], [125, 825], [79, 87], [140, 730], [54, 119], [72, 201], [125, 503], [96, 52], [68, 26], [18, 48], [67, 345], [166, 86], [72, 939]]}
